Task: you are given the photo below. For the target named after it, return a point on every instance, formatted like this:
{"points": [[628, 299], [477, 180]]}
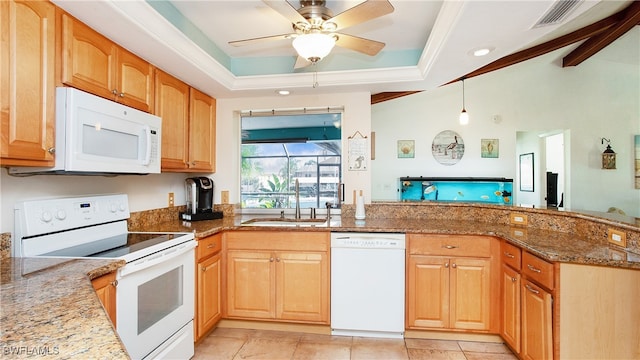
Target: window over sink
{"points": [[280, 147]]}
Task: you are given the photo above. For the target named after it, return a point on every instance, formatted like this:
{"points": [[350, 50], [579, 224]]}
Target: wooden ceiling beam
{"points": [[384, 96], [630, 18]]}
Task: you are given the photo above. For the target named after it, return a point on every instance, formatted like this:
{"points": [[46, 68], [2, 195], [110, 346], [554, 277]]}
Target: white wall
{"points": [[598, 98]]}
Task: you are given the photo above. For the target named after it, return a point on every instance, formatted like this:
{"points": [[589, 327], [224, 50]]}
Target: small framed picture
{"points": [[406, 148], [489, 148]]}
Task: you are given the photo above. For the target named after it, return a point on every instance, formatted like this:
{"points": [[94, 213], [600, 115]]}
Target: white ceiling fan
{"points": [[315, 28]]}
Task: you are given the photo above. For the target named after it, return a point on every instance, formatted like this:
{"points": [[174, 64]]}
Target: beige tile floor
{"points": [[228, 344]]}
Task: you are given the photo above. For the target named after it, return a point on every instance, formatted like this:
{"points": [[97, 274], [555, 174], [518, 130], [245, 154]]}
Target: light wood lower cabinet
{"points": [[208, 284], [281, 276], [27, 83], [537, 334], [452, 293], [510, 329], [105, 287]]}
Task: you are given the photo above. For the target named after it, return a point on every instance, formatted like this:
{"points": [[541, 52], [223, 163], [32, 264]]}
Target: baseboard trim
{"points": [[277, 326], [459, 336]]}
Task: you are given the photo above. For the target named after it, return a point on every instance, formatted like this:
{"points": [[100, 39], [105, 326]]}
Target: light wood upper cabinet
{"points": [[27, 83], [95, 64], [282, 276], [105, 287], [188, 126]]}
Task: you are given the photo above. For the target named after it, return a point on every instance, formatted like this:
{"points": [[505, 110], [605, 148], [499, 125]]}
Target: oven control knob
{"points": [[113, 208], [123, 207], [46, 216], [61, 215]]}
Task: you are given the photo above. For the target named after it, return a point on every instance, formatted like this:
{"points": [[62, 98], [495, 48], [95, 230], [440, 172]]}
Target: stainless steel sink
{"points": [[285, 222]]}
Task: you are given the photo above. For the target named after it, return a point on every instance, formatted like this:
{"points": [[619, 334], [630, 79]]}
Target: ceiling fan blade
{"points": [[301, 62], [365, 46], [362, 12], [260, 39], [285, 9]]}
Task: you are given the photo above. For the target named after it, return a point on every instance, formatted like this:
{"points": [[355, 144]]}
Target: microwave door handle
{"points": [[147, 156]]}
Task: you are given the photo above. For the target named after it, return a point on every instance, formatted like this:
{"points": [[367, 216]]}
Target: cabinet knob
{"points": [[513, 279], [114, 91], [278, 259], [114, 283], [454, 265], [121, 94], [446, 265], [51, 150], [204, 268], [271, 259]]}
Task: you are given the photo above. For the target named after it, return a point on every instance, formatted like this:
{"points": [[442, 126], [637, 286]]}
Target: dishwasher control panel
{"points": [[368, 240]]}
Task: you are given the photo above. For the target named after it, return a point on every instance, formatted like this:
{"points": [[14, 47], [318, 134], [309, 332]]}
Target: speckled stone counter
{"points": [[553, 235], [49, 309]]}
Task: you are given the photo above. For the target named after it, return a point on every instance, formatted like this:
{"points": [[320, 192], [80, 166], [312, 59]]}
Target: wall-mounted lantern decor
{"points": [[608, 156]]}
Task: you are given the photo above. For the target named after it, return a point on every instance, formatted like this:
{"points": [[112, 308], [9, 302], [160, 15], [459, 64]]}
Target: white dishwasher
{"points": [[367, 284]]}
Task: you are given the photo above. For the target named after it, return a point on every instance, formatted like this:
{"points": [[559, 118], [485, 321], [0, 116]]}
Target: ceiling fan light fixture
{"points": [[314, 46]]}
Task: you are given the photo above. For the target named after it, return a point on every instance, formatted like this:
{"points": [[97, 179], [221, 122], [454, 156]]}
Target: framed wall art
{"points": [[406, 148], [447, 147], [526, 172], [489, 148]]}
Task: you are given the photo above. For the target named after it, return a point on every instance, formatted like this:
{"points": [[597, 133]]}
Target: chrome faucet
{"points": [[298, 216]]}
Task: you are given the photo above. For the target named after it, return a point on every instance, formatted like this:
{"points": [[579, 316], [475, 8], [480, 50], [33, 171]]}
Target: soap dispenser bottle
{"points": [[360, 214]]}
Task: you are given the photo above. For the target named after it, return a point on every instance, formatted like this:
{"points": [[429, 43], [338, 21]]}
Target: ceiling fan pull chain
{"points": [[315, 76]]}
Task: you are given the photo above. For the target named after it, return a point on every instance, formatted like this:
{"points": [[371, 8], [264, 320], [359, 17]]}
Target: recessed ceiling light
{"points": [[284, 92], [481, 51]]}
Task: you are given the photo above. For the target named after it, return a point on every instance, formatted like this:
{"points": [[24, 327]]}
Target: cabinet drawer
{"points": [[278, 240], [208, 246], [450, 245], [510, 255], [538, 270]]}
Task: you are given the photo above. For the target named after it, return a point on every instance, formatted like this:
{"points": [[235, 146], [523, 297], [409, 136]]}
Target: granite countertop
{"points": [[49, 308], [550, 245]]}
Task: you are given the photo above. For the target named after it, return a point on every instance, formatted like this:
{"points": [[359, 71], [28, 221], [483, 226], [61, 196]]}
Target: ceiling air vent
{"points": [[557, 12]]}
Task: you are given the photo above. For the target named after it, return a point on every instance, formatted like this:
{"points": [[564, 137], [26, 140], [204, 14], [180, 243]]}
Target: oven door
{"points": [[155, 299]]}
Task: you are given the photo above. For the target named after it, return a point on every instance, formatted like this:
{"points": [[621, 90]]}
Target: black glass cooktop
{"points": [[114, 247]]}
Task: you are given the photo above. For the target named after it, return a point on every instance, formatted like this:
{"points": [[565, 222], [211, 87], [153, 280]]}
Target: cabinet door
{"points": [[172, 105], [251, 284], [537, 339], [88, 59], [105, 287], [470, 293], [510, 296], [135, 81], [27, 82], [428, 292], [208, 290], [202, 132], [302, 286]]}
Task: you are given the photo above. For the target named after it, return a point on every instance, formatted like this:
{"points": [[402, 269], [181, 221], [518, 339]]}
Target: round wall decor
{"points": [[447, 147]]}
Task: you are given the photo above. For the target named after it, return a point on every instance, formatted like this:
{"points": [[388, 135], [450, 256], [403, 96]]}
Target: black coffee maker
{"points": [[199, 192]]}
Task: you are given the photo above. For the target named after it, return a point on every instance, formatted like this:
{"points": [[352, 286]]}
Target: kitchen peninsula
{"points": [[574, 243]]}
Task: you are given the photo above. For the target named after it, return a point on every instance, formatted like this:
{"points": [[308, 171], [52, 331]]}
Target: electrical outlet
{"points": [[171, 203], [617, 237], [518, 219], [225, 196]]}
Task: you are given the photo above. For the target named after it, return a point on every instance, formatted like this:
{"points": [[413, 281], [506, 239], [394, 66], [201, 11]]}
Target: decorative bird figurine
{"points": [[452, 145]]}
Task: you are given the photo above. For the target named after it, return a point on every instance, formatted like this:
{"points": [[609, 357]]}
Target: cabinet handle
{"points": [[449, 247], [454, 265], [534, 269], [51, 150], [114, 283], [507, 254], [532, 289], [211, 246], [446, 265]]}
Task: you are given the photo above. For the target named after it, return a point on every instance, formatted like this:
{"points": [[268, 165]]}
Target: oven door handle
{"points": [[156, 258]]}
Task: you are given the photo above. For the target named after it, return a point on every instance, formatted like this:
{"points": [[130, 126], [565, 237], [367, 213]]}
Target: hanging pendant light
{"points": [[464, 115]]}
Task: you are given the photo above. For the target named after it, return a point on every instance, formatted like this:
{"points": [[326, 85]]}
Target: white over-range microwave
{"points": [[99, 136]]}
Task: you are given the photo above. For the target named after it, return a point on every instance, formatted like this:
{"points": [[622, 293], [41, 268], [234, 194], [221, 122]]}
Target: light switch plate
{"points": [[617, 237], [171, 199], [518, 219]]}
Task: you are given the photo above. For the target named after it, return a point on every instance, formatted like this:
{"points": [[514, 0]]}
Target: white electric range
{"points": [[155, 289]]}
